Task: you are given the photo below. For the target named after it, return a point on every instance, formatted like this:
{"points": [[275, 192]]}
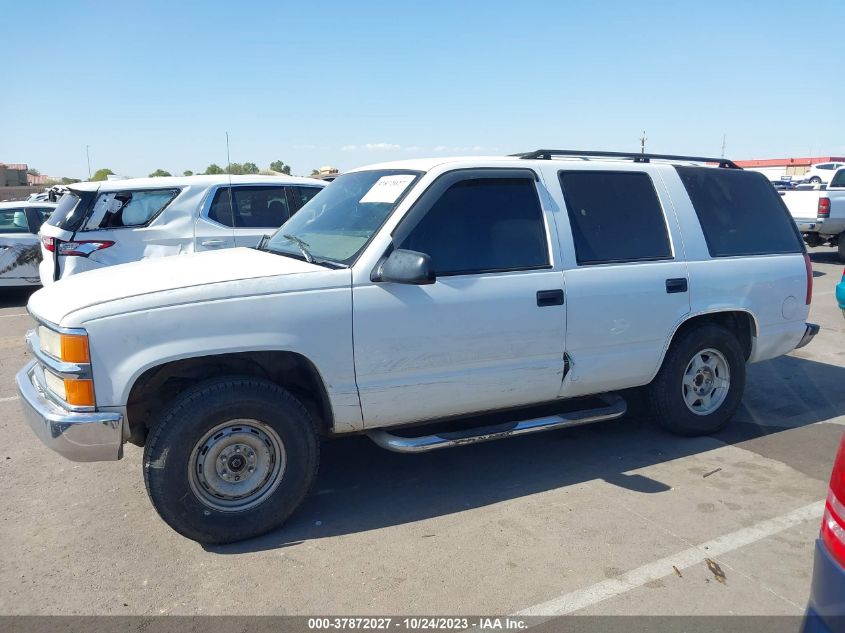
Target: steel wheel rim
{"points": [[237, 465], [706, 381]]}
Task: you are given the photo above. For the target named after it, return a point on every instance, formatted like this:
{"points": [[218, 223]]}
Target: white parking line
{"points": [[575, 600], [9, 399], [9, 316]]}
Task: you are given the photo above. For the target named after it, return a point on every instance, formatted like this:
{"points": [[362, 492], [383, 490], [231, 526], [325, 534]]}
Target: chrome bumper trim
{"points": [[809, 333], [80, 437]]}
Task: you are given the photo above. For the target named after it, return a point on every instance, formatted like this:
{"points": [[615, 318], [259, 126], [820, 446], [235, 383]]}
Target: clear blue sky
{"points": [[156, 85]]}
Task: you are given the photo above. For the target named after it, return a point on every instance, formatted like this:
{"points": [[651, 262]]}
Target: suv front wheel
{"points": [[700, 384], [230, 459]]}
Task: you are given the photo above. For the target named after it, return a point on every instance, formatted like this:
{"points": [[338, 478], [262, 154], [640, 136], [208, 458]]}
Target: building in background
{"points": [[777, 168], [13, 175]]}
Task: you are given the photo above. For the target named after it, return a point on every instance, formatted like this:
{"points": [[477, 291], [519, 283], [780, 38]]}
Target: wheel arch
{"points": [[157, 386], [739, 321]]}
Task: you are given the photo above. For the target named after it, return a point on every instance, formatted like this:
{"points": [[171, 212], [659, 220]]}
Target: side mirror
{"points": [[405, 267]]}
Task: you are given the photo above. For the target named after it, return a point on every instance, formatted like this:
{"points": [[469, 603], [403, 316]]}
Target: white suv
{"points": [[420, 292], [100, 224], [821, 173]]}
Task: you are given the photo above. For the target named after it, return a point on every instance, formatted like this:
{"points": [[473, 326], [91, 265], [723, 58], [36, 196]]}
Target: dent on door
{"points": [[19, 257]]}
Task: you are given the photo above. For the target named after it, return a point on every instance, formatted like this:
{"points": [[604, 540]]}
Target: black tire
{"points": [[172, 449], [815, 180], [666, 391]]}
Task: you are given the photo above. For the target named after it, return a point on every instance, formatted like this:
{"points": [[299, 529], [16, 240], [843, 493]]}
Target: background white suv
{"points": [[100, 224], [821, 173]]}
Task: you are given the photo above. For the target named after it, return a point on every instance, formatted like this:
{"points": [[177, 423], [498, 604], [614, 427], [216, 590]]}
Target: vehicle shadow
{"points": [[827, 256], [16, 297], [362, 487]]}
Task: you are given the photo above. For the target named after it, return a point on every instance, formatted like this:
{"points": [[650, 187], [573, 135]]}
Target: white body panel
{"points": [[465, 343], [182, 227]]}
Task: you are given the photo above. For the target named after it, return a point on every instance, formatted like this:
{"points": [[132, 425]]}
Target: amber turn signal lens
{"points": [[79, 393], [75, 348]]}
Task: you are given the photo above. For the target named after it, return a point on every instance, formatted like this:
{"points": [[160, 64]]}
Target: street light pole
{"points": [[88, 158]]}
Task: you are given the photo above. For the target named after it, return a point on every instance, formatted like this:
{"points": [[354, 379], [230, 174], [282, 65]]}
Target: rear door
{"points": [[627, 282], [19, 248]]}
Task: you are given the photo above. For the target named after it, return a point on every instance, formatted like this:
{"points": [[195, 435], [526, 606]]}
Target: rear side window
{"points": [[483, 225], [13, 221], [838, 179], [118, 209], [740, 212], [615, 217], [254, 207], [70, 212]]}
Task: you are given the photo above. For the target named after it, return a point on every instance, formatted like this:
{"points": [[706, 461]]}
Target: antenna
{"points": [[643, 139], [88, 158], [229, 171], [724, 138]]}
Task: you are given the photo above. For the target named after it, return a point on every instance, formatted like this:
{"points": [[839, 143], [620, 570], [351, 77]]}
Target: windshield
{"points": [[337, 223], [71, 210]]}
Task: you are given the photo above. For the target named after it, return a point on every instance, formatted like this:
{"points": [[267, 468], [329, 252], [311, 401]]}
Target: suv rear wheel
{"points": [[699, 387], [230, 459]]}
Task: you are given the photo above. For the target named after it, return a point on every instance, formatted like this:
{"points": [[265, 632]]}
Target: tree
{"points": [[250, 168], [280, 167], [315, 172], [69, 181], [158, 173], [33, 172], [187, 172], [102, 174], [235, 168], [214, 168]]}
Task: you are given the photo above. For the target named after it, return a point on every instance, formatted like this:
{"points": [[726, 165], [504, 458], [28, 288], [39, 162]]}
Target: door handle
{"points": [[213, 242], [549, 298], [679, 284]]}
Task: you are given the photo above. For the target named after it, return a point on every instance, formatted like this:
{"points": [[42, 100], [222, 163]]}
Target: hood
{"points": [[160, 274]]}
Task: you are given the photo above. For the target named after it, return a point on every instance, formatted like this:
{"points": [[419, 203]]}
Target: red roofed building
{"points": [[774, 168]]}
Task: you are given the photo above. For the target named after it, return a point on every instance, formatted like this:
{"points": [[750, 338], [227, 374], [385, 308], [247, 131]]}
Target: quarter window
{"points": [[838, 179], [484, 224], [740, 212], [13, 221], [298, 196], [254, 207], [615, 217]]}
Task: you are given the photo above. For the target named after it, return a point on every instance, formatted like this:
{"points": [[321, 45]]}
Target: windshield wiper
{"points": [[303, 247]]}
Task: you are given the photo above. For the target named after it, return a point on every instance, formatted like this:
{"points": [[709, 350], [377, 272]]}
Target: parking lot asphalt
{"points": [[612, 518]]}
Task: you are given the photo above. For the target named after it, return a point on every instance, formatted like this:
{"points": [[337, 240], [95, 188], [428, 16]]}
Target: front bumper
{"points": [[78, 436], [809, 332]]}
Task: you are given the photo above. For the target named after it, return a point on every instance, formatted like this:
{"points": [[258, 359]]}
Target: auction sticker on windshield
{"points": [[388, 188]]}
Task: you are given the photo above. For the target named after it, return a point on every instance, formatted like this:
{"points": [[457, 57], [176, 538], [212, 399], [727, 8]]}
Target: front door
{"points": [[489, 333]]}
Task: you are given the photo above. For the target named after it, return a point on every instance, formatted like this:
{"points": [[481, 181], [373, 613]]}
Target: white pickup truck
{"points": [[408, 300], [820, 213]]}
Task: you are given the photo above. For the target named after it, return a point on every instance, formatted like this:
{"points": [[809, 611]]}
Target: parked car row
{"points": [[99, 224]]}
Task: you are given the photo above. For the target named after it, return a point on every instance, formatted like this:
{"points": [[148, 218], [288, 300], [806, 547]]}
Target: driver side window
{"points": [[483, 225]]}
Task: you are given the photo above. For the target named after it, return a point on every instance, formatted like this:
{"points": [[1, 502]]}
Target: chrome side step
{"points": [[615, 408]]}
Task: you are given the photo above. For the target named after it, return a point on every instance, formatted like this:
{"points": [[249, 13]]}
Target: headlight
{"points": [[68, 348]]}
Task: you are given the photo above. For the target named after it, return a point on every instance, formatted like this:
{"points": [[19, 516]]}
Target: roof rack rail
{"points": [[547, 154]]}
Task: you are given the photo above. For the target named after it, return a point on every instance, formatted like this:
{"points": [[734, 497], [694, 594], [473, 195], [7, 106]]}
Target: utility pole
{"points": [[88, 158], [724, 138], [643, 139]]}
